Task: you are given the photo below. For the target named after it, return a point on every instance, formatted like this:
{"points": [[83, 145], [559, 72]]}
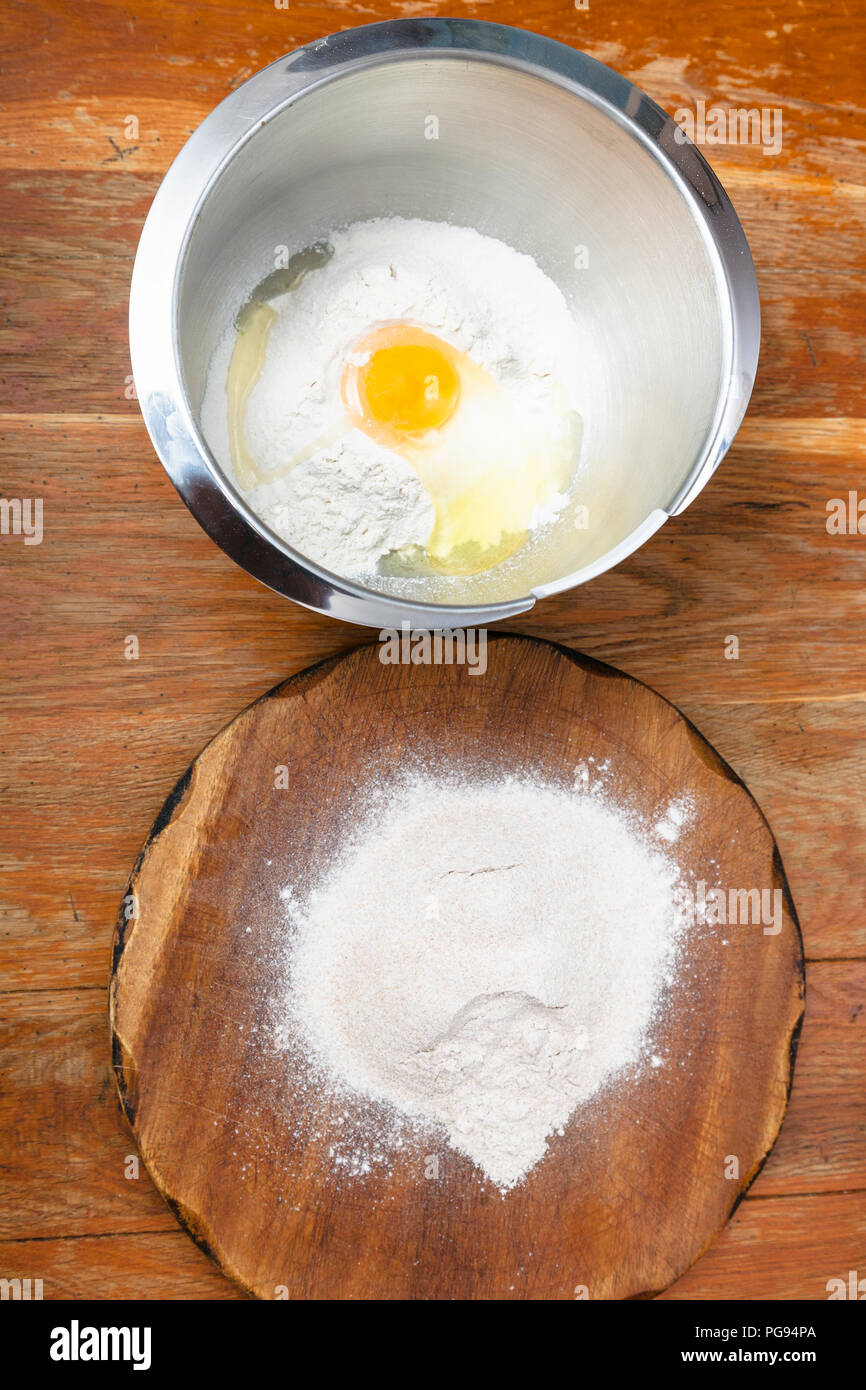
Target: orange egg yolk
{"points": [[406, 382]]}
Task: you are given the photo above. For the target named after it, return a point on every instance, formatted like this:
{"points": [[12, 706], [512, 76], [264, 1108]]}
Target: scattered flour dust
{"points": [[485, 957]]}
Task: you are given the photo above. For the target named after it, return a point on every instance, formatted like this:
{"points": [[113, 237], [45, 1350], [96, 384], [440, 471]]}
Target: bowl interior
{"points": [[522, 158]]}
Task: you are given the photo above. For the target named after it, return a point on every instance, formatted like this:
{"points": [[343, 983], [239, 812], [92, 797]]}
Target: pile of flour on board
{"points": [[485, 957], [348, 501]]}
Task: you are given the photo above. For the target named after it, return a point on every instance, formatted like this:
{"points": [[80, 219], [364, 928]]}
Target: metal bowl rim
{"points": [[209, 494]]}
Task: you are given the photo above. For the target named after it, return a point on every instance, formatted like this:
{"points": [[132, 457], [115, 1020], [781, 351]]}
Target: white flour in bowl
{"points": [[338, 496], [485, 958]]}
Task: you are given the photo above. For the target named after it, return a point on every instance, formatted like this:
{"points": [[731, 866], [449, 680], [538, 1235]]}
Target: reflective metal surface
{"points": [[538, 145]]}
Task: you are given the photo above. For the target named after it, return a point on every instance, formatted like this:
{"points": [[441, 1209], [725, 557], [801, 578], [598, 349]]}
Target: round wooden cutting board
{"points": [[641, 1180]]}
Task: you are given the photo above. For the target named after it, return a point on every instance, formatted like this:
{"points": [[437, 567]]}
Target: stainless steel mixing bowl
{"points": [[538, 145]]}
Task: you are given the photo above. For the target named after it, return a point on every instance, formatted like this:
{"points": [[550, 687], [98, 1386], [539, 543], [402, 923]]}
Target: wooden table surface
{"points": [[92, 742]]}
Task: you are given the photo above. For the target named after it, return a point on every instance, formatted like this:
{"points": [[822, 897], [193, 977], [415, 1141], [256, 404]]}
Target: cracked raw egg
{"points": [[416, 393]]}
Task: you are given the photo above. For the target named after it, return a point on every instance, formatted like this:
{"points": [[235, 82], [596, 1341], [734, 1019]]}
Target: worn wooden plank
{"points": [[175, 67], [782, 1248], [822, 1146], [157, 1264], [95, 743], [68, 1160]]}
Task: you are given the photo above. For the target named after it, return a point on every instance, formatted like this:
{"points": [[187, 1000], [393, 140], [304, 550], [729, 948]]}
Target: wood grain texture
{"points": [[91, 743], [779, 1249], [636, 1187], [59, 1100]]}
